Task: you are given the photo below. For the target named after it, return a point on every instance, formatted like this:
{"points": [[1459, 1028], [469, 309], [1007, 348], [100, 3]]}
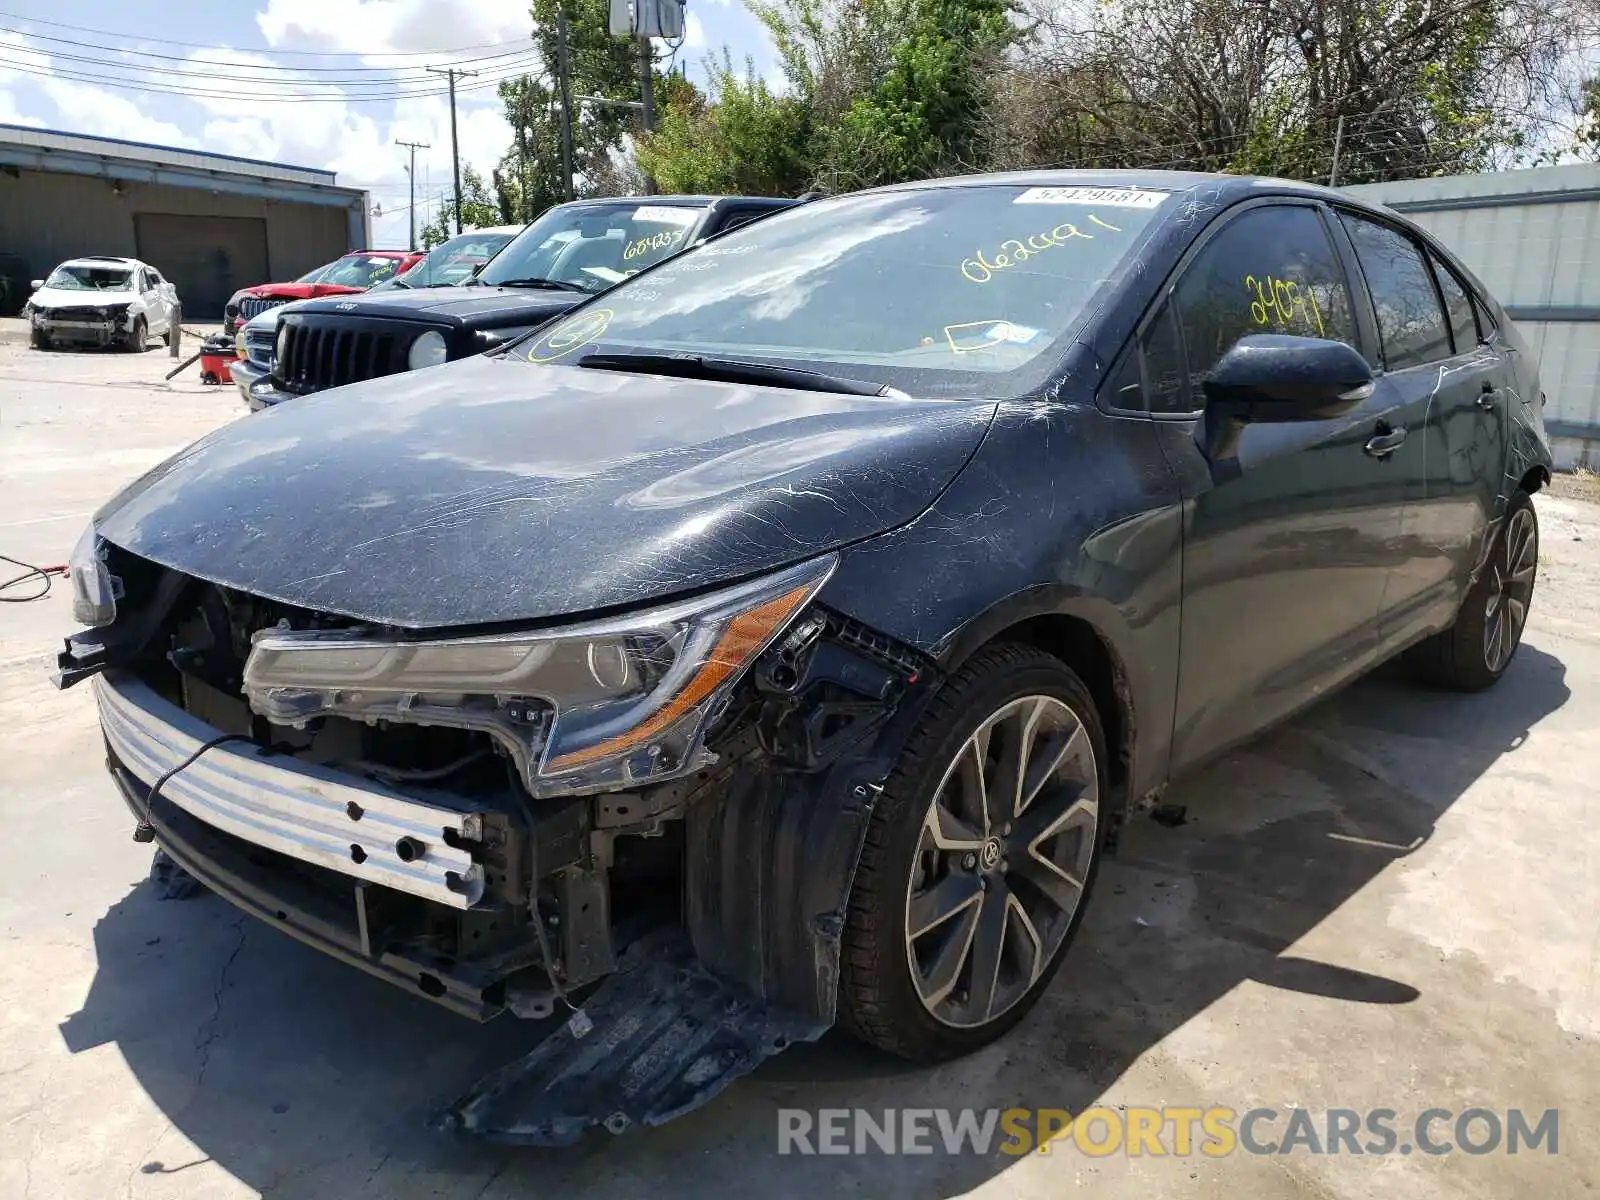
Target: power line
{"points": [[523, 50], [391, 81], [280, 97], [212, 46]]}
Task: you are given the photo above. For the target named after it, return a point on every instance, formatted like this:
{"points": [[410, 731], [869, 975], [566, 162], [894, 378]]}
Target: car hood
{"points": [[475, 307], [492, 490], [68, 298], [296, 291]]}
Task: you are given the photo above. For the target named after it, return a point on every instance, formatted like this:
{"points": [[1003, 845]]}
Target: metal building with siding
{"points": [[211, 223], [1533, 237]]}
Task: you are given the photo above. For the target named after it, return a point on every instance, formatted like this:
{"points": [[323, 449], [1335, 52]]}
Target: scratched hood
{"points": [[476, 306], [493, 490]]}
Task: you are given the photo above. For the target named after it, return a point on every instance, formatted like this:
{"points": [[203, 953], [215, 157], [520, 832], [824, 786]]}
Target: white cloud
{"points": [[694, 33], [342, 133], [392, 26]]}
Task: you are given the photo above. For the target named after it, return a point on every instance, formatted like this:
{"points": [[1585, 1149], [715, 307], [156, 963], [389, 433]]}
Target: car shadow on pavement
{"points": [[302, 1077]]}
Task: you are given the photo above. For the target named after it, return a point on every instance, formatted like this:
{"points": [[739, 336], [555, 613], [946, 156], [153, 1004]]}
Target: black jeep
{"points": [[571, 253]]}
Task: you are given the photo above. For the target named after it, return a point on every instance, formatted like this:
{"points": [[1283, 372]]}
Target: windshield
{"points": [[934, 291], [595, 245], [453, 262], [314, 276], [90, 279], [360, 270]]}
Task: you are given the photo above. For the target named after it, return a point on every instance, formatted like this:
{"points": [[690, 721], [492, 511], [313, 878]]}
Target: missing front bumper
{"points": [[306, 812]]}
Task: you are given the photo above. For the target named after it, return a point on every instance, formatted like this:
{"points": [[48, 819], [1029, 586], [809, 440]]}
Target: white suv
{"points": [[101, 301]]}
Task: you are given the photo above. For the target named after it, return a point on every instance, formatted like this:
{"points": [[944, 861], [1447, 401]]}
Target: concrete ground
{"points": [[1394, 902]]}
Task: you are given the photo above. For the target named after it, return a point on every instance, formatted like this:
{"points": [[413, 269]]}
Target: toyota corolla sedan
{"points": [[782, 637]]}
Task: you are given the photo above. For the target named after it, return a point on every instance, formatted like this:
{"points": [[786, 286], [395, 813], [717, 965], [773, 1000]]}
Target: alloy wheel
{"points": [[1510, 590], [1002, 861]]}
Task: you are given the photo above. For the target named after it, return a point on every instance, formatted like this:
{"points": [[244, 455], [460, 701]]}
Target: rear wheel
{"points": [[978, 861], [1474, 652]]}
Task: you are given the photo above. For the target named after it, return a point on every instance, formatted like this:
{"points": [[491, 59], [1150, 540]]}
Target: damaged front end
{"points": [[649, 823]]}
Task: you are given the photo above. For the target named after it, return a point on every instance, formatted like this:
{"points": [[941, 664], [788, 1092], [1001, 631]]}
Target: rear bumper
{"points": [[306, 812]]}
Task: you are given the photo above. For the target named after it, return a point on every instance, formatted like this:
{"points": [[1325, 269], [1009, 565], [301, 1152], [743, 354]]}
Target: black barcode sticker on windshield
{"points": [[1113, 197]]}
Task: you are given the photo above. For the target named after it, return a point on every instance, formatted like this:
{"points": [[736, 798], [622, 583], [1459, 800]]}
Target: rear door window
{"points": [[1270, 270], [1457, 307], [1411, 321]]}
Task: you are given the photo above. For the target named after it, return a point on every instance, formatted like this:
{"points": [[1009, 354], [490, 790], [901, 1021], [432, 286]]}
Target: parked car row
{"points": [[519, 279], [714, 628], [353, 272]]}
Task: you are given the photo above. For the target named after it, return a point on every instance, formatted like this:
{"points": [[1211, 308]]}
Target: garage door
{"points": [[207, 258]]}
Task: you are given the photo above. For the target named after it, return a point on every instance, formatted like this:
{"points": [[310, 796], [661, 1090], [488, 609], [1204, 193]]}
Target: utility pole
{"points": [[647, 83], [450, 73], [566, 99], [411, 173], [1338, 145], [647, 97]]}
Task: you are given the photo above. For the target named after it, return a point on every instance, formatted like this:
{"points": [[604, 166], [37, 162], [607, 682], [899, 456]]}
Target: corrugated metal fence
{"points": [[1533, 237]]}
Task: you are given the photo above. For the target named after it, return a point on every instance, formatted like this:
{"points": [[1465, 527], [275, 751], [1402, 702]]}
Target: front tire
{"points": [[979, 859], [38, 340], [138, 337], [1474, 652]]}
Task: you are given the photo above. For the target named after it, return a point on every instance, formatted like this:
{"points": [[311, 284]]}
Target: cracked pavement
{"points": [[1394, 901]]}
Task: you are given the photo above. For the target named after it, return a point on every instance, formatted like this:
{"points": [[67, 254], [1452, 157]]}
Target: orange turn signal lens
{"points": [[745, 636]]}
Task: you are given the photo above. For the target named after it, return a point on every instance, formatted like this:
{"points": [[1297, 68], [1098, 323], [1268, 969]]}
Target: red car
{"points": [[355, 272]]}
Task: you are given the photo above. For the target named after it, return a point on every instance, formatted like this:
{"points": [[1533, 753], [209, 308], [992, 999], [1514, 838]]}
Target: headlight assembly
{"points": [[94, 588], [588, 707], [429, 350], [239, 346]]}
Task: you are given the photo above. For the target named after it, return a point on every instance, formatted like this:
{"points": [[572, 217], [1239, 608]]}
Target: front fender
{"points": [[769, 863]]}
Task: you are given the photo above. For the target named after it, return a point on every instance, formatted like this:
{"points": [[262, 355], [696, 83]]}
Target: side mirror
{"points": [[1277, 377], [36, 284]]}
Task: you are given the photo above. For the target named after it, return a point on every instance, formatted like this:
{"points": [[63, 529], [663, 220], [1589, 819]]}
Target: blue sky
{"points": [[356, 57]]}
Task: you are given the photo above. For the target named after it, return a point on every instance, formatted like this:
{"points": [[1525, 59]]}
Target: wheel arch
{"points": [[1078, 630], [1535, 478]]}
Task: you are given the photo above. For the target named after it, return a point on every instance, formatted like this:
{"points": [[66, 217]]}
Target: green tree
{"points": [[479, 208], [598, 65], [924, 118], [743, 140]]}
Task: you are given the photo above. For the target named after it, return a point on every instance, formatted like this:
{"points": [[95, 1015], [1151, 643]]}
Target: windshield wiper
{"points": [[533, 281], [732, 370]]}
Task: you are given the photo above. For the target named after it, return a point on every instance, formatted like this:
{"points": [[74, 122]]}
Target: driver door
{"points": [[1289, 525]]}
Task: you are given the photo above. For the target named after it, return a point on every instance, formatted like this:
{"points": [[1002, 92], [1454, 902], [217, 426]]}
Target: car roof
{"points": [[1224, 187], [683, 201], [100, 260]]}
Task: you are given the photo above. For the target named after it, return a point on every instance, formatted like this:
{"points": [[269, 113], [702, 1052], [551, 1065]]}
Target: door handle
{"points": [[1489, 397], [1385, 442]]}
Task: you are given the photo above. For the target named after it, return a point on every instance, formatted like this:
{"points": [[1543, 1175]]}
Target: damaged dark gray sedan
{"points": [[782, 637]]}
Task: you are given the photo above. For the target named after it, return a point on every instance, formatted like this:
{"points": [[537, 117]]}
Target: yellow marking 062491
{"points": [[980, 269]]}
